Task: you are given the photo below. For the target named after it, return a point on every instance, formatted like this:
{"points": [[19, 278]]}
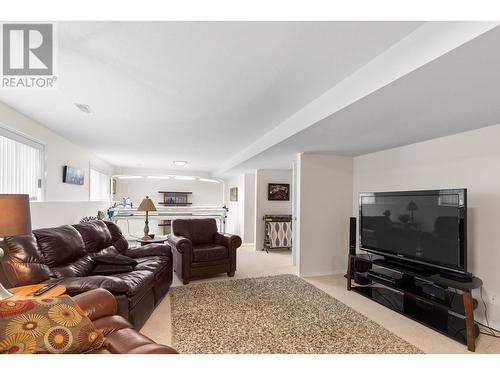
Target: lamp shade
{"points": [[15, 217], [146, 205]]}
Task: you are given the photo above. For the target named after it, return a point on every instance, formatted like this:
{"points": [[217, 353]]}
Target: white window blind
{"points": [[21, 165], [99, 185]]}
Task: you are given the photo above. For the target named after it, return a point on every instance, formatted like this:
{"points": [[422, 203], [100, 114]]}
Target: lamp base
{"points": [[4, 293], [146, 238]]}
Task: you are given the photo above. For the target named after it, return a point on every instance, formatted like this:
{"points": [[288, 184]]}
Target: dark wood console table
{"points": [[451, 312]]}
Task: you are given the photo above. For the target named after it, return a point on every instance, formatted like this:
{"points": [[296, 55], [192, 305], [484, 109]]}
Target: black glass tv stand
{"points": [[441, 303]]}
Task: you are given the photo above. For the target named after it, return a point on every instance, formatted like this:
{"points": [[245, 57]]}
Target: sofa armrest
{"points": [[230, 241], [96, 303], [77, 285], [152, 249], [179, 243], [153, 349]]}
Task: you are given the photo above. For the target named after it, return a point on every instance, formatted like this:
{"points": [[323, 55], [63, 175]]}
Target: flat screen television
{"points": [[427, 227]]}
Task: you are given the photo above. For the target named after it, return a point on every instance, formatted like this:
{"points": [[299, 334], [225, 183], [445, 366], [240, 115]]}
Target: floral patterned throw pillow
{"points": [[46, 325]]}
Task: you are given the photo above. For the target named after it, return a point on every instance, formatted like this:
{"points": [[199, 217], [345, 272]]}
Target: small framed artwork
{"points": [[233, 194], [73, 176], [278, 192]]}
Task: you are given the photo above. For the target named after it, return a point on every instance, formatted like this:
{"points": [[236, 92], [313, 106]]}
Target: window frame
{"points": [[101, 171], [22, 138]]}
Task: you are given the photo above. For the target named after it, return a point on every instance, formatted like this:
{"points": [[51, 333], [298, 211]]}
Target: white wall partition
{"points": [[324, 207]]}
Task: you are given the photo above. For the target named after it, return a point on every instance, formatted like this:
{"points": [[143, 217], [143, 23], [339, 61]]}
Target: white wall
{"points": [[235, 222], [53, 214], [324, 196], [59, 152], [249, 216], [468, 160], [241, 215], [263, 206]]}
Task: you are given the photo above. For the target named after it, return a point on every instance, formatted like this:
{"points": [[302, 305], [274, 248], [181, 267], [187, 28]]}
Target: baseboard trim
{"points": [[322, 273]]}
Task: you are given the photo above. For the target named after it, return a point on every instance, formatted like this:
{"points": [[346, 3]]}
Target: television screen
{"points": [[423, 226]]}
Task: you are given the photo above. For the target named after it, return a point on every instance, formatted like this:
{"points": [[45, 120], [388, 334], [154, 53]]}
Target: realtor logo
{"points": [[27, 49], [28, 55]]}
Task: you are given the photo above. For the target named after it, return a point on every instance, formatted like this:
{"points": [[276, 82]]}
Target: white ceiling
{"points": [[196, 91], [457, 92], [214, 92]]}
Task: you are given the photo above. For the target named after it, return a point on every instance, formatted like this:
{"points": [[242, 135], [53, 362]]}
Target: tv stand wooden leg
{"points": [[469, 321], [349, 272]]}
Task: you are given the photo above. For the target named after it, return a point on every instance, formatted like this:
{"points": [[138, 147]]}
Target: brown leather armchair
{"points": [[121, 338], [199, 250]]}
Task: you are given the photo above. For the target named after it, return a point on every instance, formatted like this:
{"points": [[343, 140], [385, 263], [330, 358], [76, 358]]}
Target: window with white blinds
{"points": [[99, 185], [21, 165]]}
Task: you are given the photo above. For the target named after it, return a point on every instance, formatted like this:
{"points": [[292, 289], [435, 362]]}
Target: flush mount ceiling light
{"points": [[159, 177], [209, 180], [84, 108], [184, 177], [180, 162], [128, 177]]}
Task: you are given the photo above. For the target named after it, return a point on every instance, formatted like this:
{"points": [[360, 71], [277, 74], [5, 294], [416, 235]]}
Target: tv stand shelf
{"points": [[445, 305]]}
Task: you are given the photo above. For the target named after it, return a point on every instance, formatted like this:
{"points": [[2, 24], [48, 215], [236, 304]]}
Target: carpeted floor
{"points": [[276, 314]]}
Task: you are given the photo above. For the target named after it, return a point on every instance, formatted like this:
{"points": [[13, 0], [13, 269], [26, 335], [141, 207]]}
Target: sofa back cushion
{"points": [[199, 231], [119, 242], [61, 245], [95, 234], [23, 263]]}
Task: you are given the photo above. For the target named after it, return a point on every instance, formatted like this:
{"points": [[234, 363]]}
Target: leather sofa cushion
{"points": [[79, 268], [60, 245], [152, 264], [199, 231], [76, 285], [111, 269], [208, 252], [137, 281], [109, 251], [22, 263], [95, 234]]}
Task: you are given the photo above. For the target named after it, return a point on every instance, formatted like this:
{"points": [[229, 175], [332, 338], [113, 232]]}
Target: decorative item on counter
{"points": [[146, 205], [100, 216]]}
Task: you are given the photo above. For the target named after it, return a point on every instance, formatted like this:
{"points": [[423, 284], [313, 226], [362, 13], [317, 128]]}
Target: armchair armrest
{"points": [[230, 241], [153, 349], [181, 244], [96, 303], [152, 249]]}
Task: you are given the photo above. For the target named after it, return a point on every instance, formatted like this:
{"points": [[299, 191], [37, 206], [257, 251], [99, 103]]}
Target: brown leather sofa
{"points": [[121, 338], [199, 250], [67, 253]]}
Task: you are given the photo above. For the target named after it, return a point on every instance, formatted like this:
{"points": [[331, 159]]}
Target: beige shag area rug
{"points": [[277, 314]]}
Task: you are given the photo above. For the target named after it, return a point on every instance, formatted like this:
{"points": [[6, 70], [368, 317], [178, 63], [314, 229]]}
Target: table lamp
{"points": [[15, 219], [146, 205]]}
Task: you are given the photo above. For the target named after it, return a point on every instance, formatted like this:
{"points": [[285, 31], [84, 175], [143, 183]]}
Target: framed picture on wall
{"points": [[73, 175], [233, 194], [278, 192]]}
